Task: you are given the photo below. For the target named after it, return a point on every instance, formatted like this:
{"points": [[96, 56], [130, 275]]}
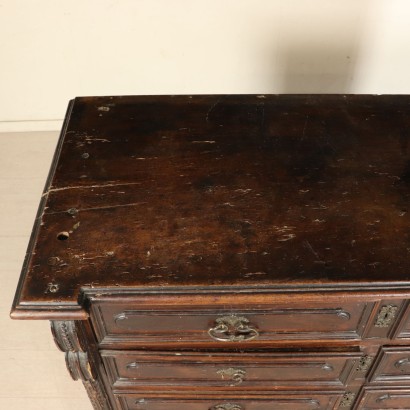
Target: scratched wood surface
{"points": [[224, 190]]}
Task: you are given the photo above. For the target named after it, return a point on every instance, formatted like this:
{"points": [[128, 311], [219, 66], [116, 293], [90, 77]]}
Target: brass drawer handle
{"points": [[391, 396], [235, 375], [227, 406], [232, 329], [383, 398], [402, 362]]}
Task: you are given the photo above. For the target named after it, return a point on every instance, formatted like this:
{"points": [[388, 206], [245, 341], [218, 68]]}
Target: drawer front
{"points": [[393, 365], [316, 401], [404, 327], [141, 370], [133, 325], [392, 399]]}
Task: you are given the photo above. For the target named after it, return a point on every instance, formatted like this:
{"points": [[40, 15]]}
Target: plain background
{"points": [[54, 50]]}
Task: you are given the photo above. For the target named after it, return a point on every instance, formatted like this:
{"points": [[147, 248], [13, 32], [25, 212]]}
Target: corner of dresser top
{"points": [[22, 309]]}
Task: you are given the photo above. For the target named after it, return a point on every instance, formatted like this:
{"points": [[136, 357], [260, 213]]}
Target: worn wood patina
{"points": [[224, 191], [240, 252]]}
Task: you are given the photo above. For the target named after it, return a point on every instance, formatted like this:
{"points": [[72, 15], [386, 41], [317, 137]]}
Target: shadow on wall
{"points": [[317, 70], [318, 47]]}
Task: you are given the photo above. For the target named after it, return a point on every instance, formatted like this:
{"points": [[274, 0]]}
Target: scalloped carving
{"points": [[78, 363]]}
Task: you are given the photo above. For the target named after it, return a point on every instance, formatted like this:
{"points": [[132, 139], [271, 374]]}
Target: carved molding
{"points": [[65, 336], [96, 395], [78, 362], [79, 366]]}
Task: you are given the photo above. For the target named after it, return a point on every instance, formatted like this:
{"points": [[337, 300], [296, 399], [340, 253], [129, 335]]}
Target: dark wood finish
{"points": [[234, 371], [404, 329], [393, 366], [239, 252], [294, 401], [378, 399], [193, 324], [223, 191]]}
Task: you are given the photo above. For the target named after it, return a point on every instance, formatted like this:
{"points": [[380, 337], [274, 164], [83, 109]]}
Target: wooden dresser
{"points": [[239, 252]]}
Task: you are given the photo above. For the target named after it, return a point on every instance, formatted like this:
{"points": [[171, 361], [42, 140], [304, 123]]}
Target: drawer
{"points": [[225, 324], [293, 401], [378, 399], [185, 370], [403, 331], [393, 365]]}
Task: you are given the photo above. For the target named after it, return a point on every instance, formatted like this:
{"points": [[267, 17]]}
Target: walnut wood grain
{"points": [[384, 398], [142, 371], [289, 401], [392, 366], [228, 252], [161, 323], [180, 191]]}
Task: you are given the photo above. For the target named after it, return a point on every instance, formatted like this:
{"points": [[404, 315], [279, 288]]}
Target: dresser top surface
{"points": [[237, 190]]}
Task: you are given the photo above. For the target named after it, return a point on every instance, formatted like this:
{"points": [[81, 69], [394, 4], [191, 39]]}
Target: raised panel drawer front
{"points": [[393, 365], [294, 401], [404, 328], [228, 324], [391, 399], [185, 370]]}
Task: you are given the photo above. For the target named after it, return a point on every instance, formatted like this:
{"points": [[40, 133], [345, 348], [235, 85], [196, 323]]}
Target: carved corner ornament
{"points": [[78, 363]]}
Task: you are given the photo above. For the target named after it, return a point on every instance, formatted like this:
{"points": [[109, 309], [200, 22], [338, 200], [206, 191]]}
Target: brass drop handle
{"points": [[227, 406], [399, 364], [391, 396], [232, 329], [383, 398]]}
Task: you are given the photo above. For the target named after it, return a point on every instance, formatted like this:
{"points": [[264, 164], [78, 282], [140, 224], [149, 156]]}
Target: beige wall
{"points": [[53, 50]]}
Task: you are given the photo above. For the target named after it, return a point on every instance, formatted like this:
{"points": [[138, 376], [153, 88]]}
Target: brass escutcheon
{"points": [[235, 375]]}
